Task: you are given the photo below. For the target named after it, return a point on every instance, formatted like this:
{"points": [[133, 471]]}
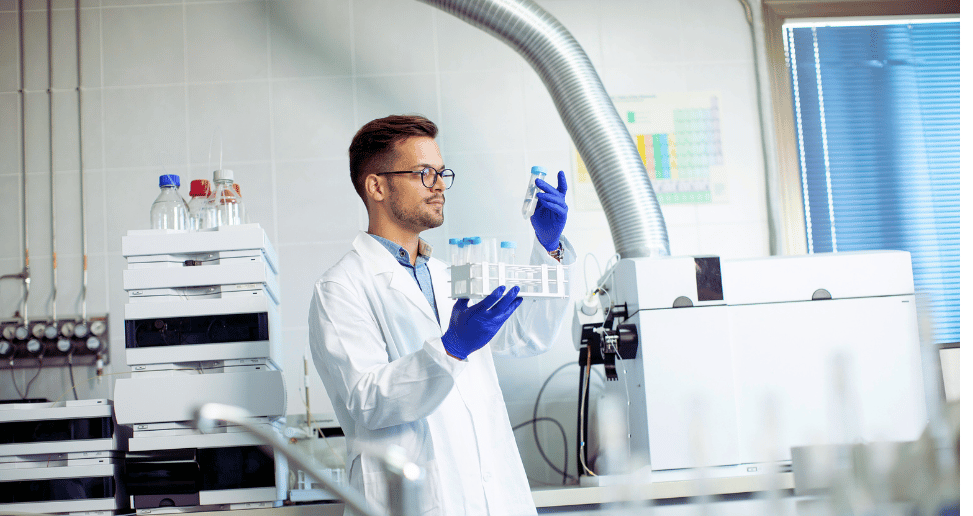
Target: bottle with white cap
{"points": [[224, 206]]}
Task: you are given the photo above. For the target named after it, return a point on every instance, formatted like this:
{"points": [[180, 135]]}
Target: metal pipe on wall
{"points": [[50, 134], [84, 228], [617, 172], [25, 274]]}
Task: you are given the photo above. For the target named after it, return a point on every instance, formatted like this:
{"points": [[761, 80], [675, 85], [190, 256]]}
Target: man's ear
{"points": [[375, 188]]}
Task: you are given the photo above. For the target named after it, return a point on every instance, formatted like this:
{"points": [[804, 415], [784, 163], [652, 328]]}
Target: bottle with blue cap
{"points": [[169, 211], [454, 251], [476, 250], [530, 198], [507, 251]]}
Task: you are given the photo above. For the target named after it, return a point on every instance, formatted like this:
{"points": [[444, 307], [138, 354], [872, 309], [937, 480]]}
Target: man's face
{"points": [[414, 205]]}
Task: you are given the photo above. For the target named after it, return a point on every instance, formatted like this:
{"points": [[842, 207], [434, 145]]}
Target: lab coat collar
{"points": [[381, 261]]}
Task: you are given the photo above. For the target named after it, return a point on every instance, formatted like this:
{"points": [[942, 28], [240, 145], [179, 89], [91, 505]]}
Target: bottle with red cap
{"points": [[199, 191]]}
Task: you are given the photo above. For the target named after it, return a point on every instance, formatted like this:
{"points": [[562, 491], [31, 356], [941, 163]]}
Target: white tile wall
{"points": [[227, 42], [312, 118], [288, 83], [310, 39], [145, 127], [144, 45], [215, 113], [10, 134], [9, 52]]}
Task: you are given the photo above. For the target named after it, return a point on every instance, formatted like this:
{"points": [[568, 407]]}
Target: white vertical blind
{"points": [[877, 117]]}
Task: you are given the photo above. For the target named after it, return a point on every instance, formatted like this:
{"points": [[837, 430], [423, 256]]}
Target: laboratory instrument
{"points": [[530, 198], [62, 458], [169, 211], [202, 325], [739, 332]]}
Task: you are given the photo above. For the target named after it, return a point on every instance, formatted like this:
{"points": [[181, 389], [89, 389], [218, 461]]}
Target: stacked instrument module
{"points": [[61, 458], [202, 325]]}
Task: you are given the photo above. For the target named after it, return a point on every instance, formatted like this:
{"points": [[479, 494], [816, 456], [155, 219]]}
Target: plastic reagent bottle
{"points": [[507, 251], [224, 207], [169, 211], [199, 192], [530, 198], [476, 253], [453, 251]]}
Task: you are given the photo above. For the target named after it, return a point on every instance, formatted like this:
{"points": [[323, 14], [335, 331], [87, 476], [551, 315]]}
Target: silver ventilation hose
{"points": [[620, 179]]}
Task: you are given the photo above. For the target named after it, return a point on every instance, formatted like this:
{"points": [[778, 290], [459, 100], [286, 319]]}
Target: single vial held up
{"points": [[530, 198]]}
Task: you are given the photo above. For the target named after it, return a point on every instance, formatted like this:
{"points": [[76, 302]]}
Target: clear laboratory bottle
{"points": [[454, 251], [507, 251], [224, 207], [476, 249], [244, 216], [169, 211], [199, 192], [462, 256], [530, 198]]}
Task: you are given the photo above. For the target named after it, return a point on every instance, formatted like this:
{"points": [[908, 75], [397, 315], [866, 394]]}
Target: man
{"points": [[405, 365]]}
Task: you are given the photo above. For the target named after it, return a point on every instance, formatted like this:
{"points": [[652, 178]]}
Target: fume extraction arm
{"points": [[617, 172]]}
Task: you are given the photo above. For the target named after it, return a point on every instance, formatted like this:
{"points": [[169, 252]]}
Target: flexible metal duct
{"points": [[617, 171]]}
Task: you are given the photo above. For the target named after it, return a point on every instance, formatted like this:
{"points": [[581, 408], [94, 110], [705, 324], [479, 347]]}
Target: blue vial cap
{"points": [[168, 180], [461, 243], [508, 245], [537, 170], [453, 241], [475, 240]]}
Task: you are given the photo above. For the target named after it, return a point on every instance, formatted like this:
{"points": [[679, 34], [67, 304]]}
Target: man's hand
{"points": [[551, 213], [470, 328]]}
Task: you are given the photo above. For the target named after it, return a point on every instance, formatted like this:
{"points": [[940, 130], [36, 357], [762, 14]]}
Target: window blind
{"points": [[877, 120]]}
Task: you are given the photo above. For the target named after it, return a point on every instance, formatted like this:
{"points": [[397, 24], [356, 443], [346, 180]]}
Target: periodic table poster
{"points": [[679, 138]]}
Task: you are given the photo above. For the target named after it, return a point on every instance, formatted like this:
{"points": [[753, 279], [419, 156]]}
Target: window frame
{"points": [[791, 233]]}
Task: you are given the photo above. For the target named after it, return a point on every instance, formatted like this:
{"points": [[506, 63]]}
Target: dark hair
{"points": [[374, 142]]}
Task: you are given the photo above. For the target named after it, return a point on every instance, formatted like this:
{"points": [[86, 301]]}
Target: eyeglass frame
{"points": [[437, 174]]}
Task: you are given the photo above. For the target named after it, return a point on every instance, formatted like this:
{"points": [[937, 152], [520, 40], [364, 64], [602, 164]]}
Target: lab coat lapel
{"points": [[441, 288], [383, 263]]}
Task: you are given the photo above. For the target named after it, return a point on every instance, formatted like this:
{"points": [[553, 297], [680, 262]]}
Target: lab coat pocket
{"points": [[376, 488]]}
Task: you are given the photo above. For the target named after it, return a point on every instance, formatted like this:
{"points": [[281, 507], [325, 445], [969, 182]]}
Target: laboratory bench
{"points": [[722, 496]]}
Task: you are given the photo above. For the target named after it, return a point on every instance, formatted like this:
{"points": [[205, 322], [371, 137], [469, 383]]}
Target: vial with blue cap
{"points": [[169, 211], [530, 198], [476, 252]]}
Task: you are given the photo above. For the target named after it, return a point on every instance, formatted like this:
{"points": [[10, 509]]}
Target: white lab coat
{"points": [[378, 349]]}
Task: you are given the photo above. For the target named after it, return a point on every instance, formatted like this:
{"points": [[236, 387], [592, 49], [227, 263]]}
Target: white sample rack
{"points": [[478, 280]]}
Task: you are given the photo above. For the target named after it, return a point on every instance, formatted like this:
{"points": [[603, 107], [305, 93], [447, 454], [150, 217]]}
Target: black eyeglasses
{"points": [[428, 176]]}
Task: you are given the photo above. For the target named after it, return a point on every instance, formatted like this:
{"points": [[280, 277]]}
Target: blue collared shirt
{"points": [[419, 272]]}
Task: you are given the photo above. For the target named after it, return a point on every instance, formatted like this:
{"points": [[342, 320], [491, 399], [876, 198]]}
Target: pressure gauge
{"points": [[6, 349], [34, 347], [81, 330], [37, 330], [67, 329], [50, 332], [63, 345], [21, 333], [9, 331], [98, 327], [94, 344]]}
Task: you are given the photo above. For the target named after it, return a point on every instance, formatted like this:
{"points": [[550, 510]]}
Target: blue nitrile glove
{"points": [[470, 328], [551, 213]]}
